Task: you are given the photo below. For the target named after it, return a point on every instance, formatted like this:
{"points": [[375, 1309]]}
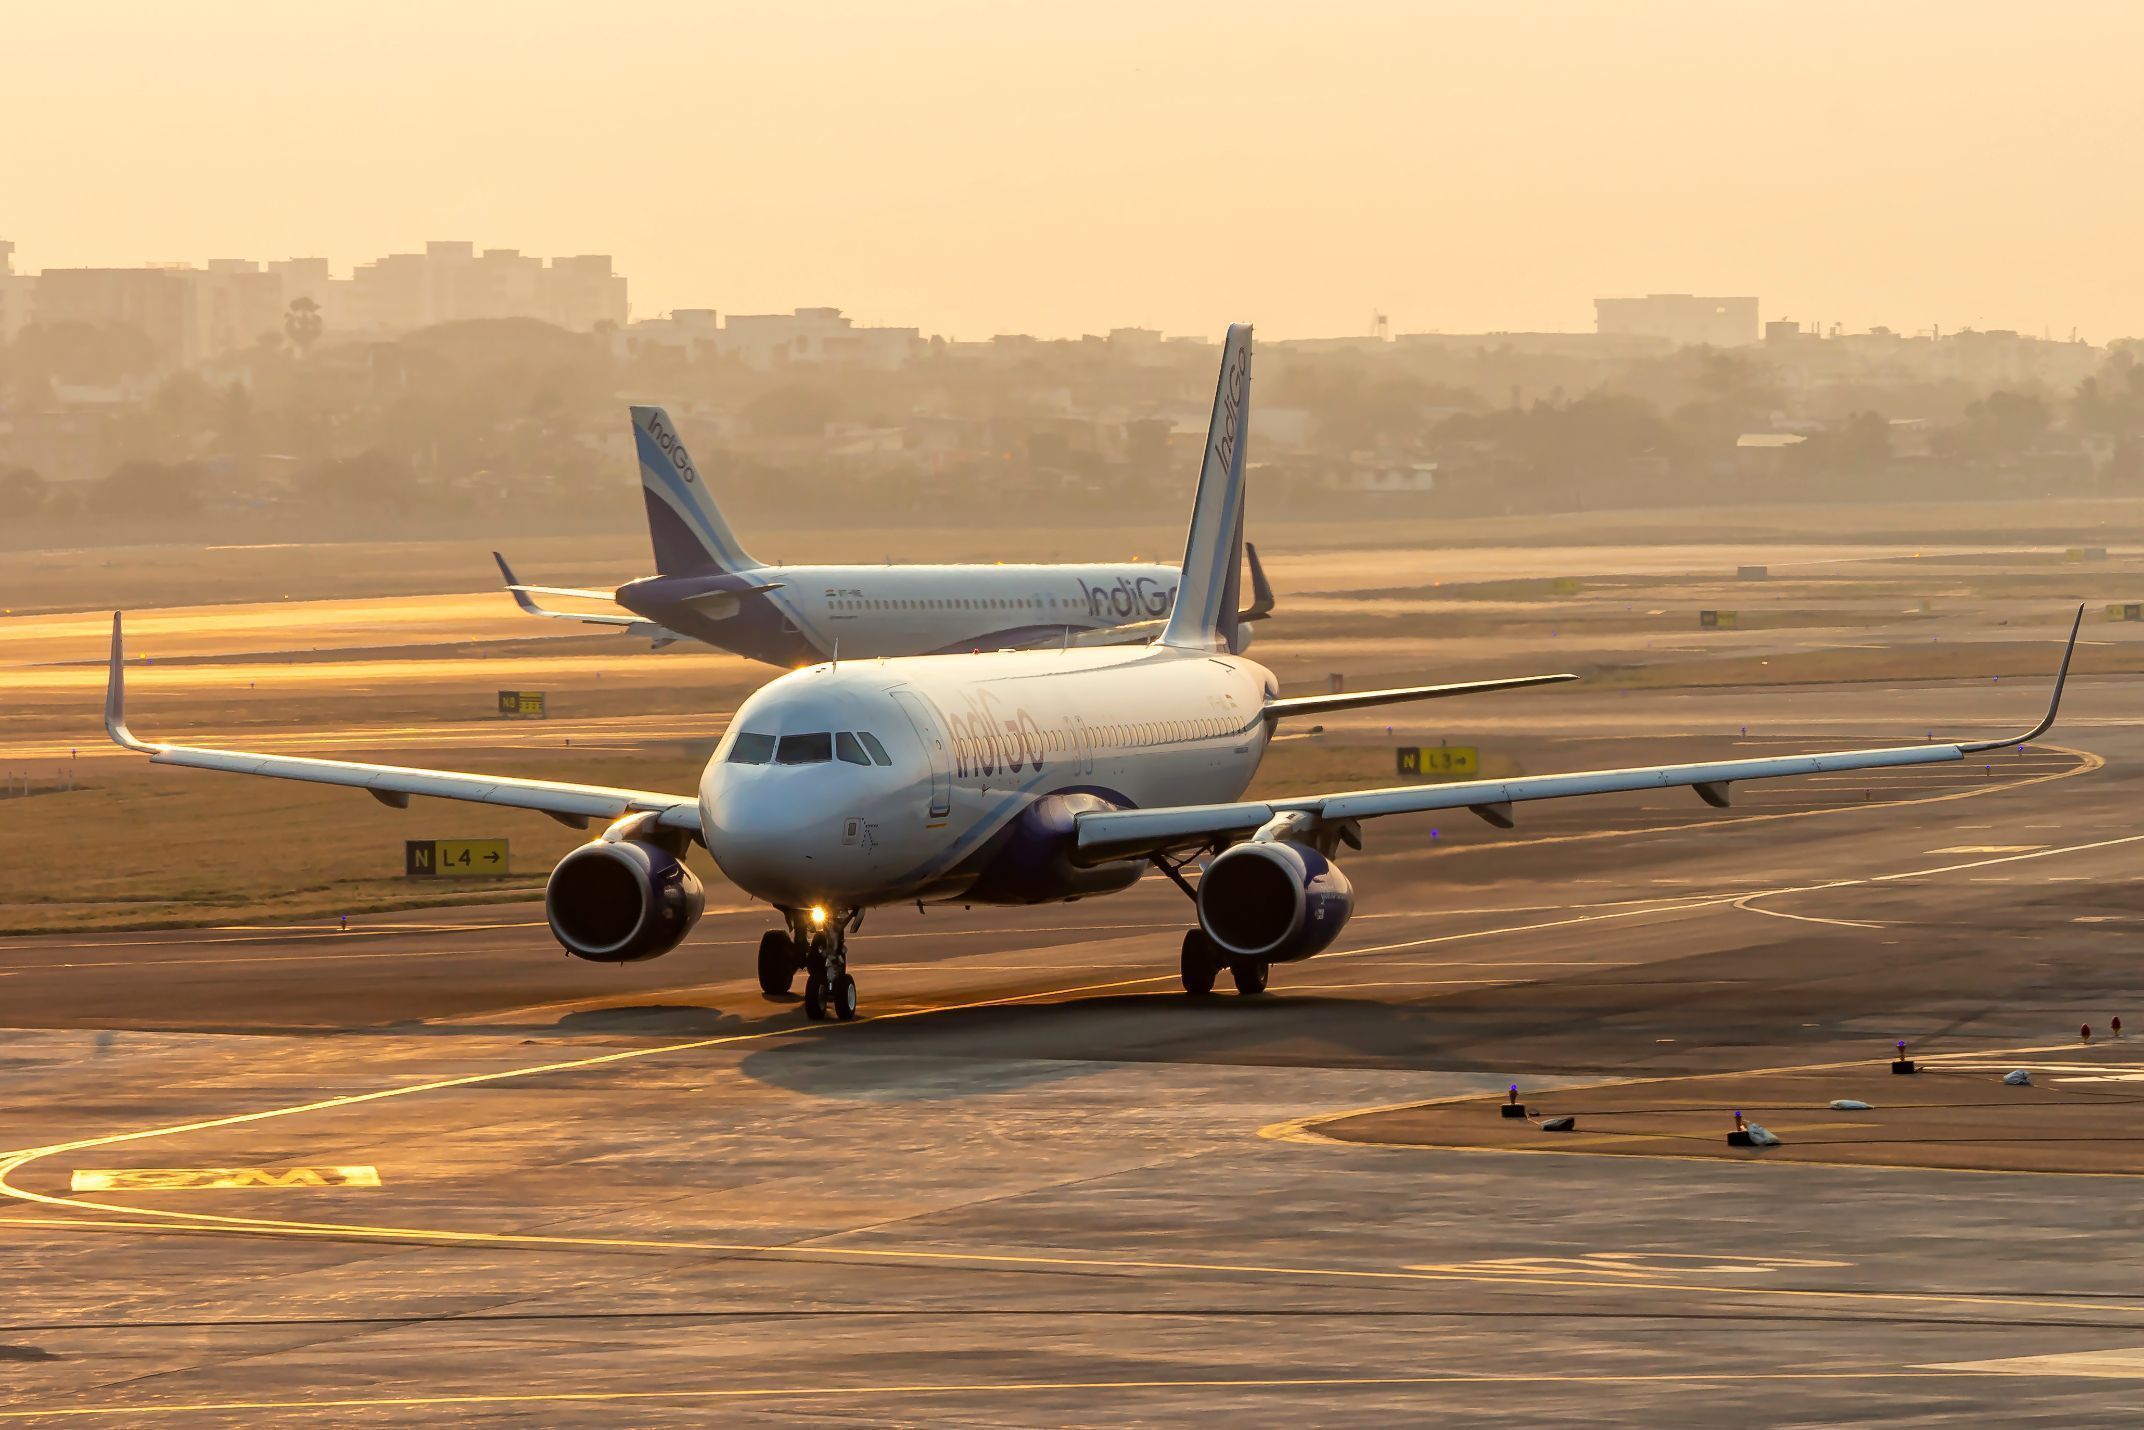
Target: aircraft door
{"points": [[1082, 746], [931, 734]]}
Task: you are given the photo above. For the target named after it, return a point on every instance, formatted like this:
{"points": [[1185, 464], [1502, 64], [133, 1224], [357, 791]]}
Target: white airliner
{"points": [[709, 589], [1014, 777]]}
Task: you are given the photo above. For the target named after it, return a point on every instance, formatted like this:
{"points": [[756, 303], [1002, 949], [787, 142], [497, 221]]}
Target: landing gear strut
{"points": [[828, 988]]}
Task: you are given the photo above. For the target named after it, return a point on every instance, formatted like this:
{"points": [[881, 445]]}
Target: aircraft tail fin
{"points": [[684, 524], [1205, 614]]}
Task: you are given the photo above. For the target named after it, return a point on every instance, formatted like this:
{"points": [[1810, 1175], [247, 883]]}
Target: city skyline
{"points": [[415, 302], [1459, 167]]}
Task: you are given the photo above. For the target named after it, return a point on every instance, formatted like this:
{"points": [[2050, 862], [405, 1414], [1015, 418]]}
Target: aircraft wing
{"points": [[1106, 835], [1326, 704], [394, 784]]}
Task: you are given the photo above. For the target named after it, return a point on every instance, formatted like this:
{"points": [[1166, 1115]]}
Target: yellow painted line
{"points": [[207, 1179], [851, 1392]]}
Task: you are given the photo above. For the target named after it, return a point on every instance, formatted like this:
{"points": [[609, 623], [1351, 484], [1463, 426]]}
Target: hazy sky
{"points": [[980, 166]]}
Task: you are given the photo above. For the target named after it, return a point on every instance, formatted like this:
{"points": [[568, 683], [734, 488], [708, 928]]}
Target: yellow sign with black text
{"points": [[454, 858], [1451, 761]]}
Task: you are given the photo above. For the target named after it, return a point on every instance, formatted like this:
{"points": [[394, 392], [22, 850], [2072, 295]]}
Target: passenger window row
{"points": [[993, 603], [1156, 732], [817, 747]]}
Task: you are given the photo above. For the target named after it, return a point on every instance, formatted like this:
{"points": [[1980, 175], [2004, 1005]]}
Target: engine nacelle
{"points": [[1274, 901], [620, 901], [1031, 860]]}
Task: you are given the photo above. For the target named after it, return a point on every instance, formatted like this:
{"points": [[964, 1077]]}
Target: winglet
{"points": [[115, 696], [2054, 702], [1261, 604], [521, 597]]}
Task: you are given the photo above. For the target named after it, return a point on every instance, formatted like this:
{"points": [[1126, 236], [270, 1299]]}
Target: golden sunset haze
{"points": [[982, 166]]}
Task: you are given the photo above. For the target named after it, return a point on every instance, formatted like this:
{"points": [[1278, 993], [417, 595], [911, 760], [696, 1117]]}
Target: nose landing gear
{"points": [[821, 951]]}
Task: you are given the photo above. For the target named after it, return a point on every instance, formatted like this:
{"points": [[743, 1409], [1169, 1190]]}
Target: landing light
{"points": [[818, 916]]}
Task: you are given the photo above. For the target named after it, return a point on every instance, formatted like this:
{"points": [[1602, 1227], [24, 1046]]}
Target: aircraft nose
{"points": [[776, 833]]}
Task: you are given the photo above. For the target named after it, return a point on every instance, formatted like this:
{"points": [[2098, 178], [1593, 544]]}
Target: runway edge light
{"points": [[1902, 1063]]}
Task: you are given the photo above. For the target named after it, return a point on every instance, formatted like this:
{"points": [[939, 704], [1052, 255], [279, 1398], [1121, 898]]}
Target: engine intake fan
{"points": [[1274, 901]]}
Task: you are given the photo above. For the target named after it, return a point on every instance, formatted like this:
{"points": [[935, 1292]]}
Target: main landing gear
{"points": [[819, 950], [1202, 964]]}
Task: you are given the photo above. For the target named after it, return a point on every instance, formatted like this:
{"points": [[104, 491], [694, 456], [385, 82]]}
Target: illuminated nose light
{"points": [[818, 916]]}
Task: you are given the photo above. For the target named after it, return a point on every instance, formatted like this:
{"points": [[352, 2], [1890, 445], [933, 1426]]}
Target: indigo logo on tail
{"points": [[672, 448]]}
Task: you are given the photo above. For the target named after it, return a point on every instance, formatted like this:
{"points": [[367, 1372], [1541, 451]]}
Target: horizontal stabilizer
{"points": [[523, 597], [574, 591]]}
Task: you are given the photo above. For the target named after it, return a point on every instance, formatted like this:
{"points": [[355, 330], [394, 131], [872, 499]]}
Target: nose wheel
{"points": [[829, 991]]}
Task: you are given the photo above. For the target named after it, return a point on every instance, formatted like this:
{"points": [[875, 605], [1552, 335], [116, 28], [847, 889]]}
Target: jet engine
{"points": [[1273, 901], [620, 901], [1031, 861]]}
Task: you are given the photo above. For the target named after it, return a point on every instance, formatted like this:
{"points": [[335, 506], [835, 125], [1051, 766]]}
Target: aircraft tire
{"points": [[815, 998], [1249, 974], [844, 998], [1198, 965], [777, 964]]}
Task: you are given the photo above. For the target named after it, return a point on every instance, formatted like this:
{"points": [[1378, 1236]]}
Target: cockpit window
{"points": [[814, 749], [751, 749], [878, 751], [846, 748]]}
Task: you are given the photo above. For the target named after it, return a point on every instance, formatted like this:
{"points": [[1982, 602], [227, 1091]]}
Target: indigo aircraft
{"points": [[707, 588], [1011, 777]]}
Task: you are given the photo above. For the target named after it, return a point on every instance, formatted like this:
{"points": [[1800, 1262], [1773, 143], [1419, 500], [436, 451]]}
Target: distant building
{"points": [[17, 292], [152, 300], [190, 314], [451, 282], [1681, 318], [195, 315], [807, 336]]}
